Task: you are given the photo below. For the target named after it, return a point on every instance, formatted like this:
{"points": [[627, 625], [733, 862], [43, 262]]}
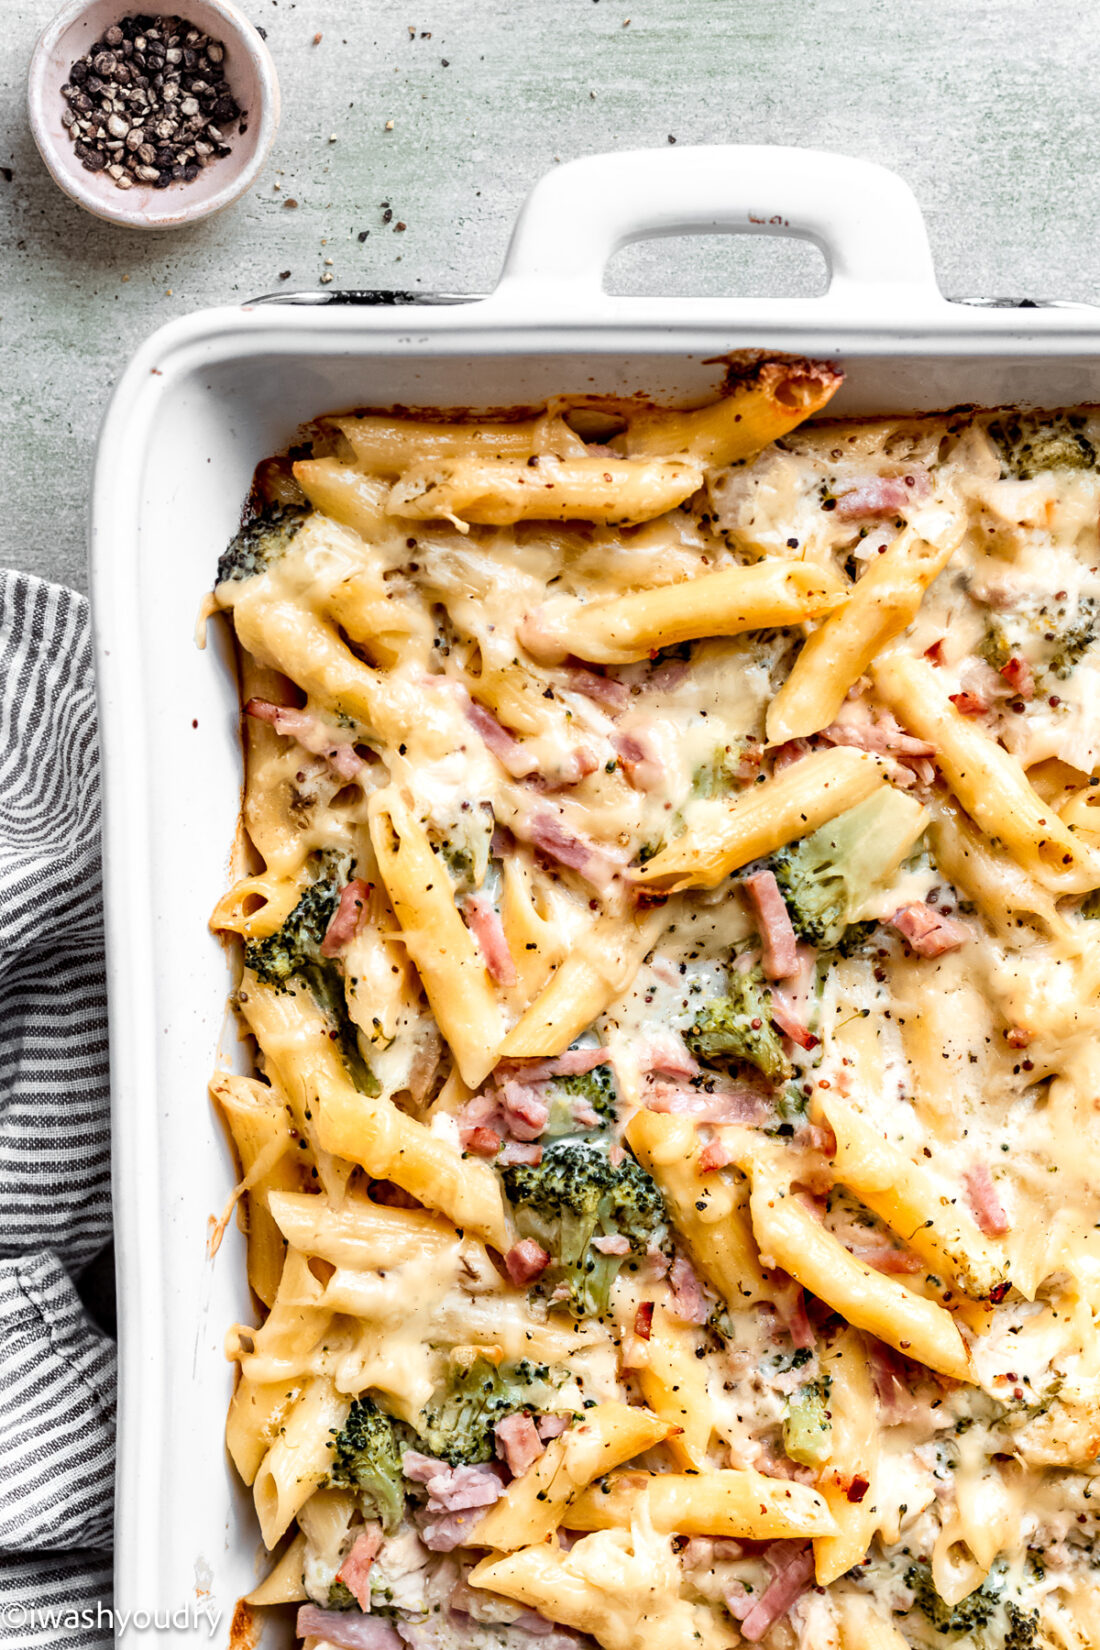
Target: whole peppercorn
{"points": [[150, 103]]}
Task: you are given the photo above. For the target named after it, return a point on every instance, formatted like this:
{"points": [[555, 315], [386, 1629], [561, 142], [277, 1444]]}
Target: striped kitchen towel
{"points": [[57, 1369]]}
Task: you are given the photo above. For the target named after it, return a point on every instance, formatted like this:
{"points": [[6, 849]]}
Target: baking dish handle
{"points": [[864, 218]]}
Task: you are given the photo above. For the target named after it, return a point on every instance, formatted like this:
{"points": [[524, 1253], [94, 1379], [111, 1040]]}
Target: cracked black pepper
{"points": [[149, 103]]}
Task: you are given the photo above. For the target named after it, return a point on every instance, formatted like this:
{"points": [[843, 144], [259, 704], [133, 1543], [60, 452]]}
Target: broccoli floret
{"points": [[573, 1196], [366, 1457], [1075, 641], [595, 1087], [995, 648], [341, 1597], [460, 863], [826, 877], [738, 1026], [791, 1110], [459, 1427], [973, 1612], [1014, 1628], [295, 948], [1030, 445], [807, 1429], [854, 937], [296, 945], [260, 542], [464, 843], [1023, 1627], [717, 776]]}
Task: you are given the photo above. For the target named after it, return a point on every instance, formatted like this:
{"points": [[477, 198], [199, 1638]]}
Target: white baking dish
{"points": [[200, 404]]}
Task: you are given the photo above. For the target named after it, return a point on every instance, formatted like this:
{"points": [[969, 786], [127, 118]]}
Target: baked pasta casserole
{"points": [[668, 898]]}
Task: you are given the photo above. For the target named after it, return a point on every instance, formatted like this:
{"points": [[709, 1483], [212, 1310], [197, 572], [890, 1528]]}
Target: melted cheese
{"points": [[538, 784]]}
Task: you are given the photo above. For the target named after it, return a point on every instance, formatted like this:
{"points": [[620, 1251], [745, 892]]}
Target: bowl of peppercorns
{"points": [[153, 119]]}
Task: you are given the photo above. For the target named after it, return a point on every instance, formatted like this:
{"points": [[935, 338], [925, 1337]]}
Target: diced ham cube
{"points": [[989, 1211], [520, 1151], [882, 736], [883, 495], [1017, 673], [688, 1301], [508, 750], [526, 1112], [733, 1105], [545, 831], [604, 691], [968, 704], [345, 1630], [484, 922], [569, 1064], [644, 771], [482, 1142], [354, 1572], [885, 1258], [779, 945], [667, 1053], [347, 919], [311, 732], [714, 1155], [928, 932], [518, 1443], [792, 1564], [526, 1261], [789, 1020]]}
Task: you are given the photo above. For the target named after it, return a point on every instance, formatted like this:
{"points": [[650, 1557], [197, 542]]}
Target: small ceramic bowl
{"points": [[251, 75]]}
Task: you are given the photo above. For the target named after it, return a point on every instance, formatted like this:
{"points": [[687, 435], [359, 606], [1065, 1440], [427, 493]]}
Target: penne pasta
{"points": [[609, 1586], [1007, 896], [849, 1481], [345, 494], [535, 1504], [392, 1146], [863, 1624], [255, 1415], [723, 836], [767, 595], [907, 1198], [454, 976], [769, 401], [385, 446], [283, 1584], [497, 493], [790, 1237], [881, 605], [738, 1504], [583, 985], [260, 1126], [674, 1385], [710, 1210], [987, 779], [299, 1458]]}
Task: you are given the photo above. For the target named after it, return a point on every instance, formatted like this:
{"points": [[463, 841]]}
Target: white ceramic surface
{"points": [[201, 403], [249, 70]]}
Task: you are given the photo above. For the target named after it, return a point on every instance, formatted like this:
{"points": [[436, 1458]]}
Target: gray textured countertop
{"points": [[988, 107]]}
